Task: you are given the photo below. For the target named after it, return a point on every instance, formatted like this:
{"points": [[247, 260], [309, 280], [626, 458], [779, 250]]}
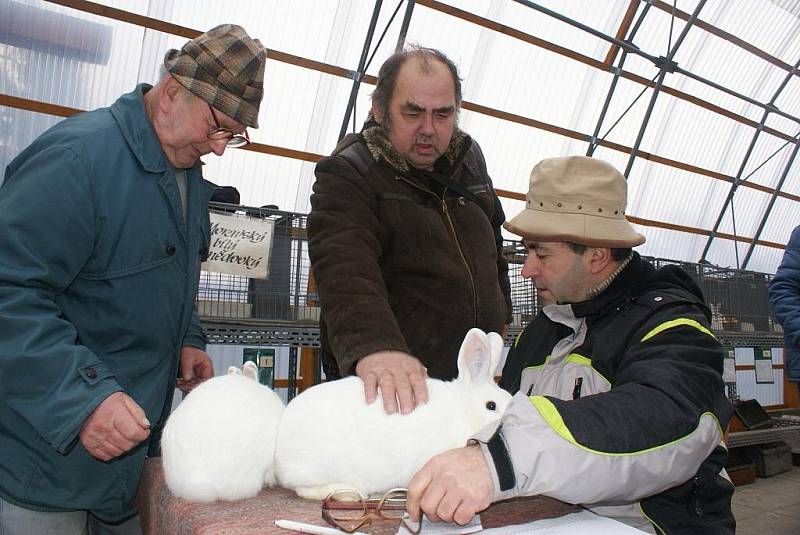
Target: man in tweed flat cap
{"points": [[97, 321]]}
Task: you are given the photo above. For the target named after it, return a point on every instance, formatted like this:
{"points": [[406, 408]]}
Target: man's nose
{"points": [[218, 146], [426, 128], [530, 268]]}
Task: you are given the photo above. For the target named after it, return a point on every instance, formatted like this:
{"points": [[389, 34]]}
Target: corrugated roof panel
{"points": [[18, 129], [768, 161], [261, 179], [658, 32], [512, 149], [603, 15], [67, 57], [749, 206], [785, 125], [781, 221], [765, 259], [772, 26], [536, 89], [300, 28], [789, 99], [674, 133], [663, 243], [726, 253], [666, 194]]}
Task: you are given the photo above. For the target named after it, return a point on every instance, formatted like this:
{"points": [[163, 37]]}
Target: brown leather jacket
{"points": [[401, 263]]}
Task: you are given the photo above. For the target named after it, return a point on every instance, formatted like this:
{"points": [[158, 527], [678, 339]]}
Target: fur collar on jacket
{"points": [[380, 147]]}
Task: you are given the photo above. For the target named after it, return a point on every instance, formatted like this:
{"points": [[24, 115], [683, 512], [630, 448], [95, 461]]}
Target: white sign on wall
{"points": [[239, 245]]}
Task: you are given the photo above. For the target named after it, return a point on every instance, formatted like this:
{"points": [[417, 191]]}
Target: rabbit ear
{"points": [[233, 370], [476, 357], [496, 345], [250, 370]]}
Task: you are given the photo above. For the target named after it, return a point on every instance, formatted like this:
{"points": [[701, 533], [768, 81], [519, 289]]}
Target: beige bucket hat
{"points": [[224, 67], [576, 199]]}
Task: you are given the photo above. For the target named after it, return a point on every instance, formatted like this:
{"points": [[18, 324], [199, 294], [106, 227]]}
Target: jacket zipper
{"points": [[457, 243]]}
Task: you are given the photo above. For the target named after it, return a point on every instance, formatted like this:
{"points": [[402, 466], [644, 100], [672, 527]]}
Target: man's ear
{"points": [[377, 113], [599, 258], [171, 92]]}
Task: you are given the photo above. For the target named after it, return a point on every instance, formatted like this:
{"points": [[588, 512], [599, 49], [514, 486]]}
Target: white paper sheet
{"points": [[441, 528], [583, 523]]}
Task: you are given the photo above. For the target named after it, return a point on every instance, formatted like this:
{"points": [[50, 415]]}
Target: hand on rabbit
{"points": [[452, 487], [196, 367], [116, 426], [400, 376]]}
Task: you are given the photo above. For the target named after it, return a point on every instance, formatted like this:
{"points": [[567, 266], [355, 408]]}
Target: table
{"points": [[163, 513]]}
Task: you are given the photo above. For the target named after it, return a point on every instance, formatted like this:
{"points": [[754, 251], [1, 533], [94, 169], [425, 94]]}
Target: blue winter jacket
{"points": [[98, 274], [784, 298]]}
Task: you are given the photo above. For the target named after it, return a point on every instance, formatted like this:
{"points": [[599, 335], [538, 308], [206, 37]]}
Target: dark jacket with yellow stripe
{"points": [[402, 263], [620, 406]]}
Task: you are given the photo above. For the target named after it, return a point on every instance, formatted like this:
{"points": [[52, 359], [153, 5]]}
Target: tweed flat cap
{"points": [[576, 199], [224, 67]]}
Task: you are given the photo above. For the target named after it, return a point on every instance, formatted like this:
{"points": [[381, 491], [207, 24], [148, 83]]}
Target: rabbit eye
{"points": [[491, 405]]}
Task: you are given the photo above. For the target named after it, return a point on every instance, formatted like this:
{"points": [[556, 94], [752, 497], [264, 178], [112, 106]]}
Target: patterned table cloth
{"points": [[163, 513]]}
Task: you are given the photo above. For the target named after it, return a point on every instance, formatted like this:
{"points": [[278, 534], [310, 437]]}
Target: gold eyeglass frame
{"points": [[370, 507]]}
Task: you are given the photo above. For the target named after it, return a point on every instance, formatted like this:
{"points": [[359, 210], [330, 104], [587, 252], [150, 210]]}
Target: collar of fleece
{"points": [[377, 140]]}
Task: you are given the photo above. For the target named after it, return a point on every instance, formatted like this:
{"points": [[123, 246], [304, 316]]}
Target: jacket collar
{"points": [[131, 116], [620, 289], [379, 146]]}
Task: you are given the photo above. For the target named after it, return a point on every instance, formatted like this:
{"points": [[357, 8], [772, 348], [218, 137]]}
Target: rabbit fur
{"points": [[329, 438], [219, 443]]}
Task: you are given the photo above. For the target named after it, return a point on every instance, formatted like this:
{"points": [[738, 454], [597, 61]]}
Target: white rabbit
{"points": [[219, 443], [329, 438]]}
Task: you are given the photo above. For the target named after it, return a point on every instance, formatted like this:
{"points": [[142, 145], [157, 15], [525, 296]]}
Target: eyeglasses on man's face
{"points": [[349, 510], [219, 133]]}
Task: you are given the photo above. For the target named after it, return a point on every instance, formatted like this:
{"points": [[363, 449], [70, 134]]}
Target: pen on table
{"points": [[313, 529]]}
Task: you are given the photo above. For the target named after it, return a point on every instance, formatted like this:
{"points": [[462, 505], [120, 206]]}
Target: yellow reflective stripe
{"points": [[676, 323], [516, 340], [653, 522], [550, 415], [578, 359]]}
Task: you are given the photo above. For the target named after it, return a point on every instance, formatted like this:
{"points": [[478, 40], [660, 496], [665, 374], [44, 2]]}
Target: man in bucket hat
{"points": [[105, 224], [619, 403]]}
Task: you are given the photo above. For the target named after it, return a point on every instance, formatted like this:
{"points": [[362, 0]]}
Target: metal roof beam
{"points": [[617, 71], [362, 65], [737, 180], [666, 65], [770, 204]]}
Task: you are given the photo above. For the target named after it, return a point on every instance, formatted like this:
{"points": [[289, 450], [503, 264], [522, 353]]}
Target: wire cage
{"points": [[287, 295], [738, 299]]}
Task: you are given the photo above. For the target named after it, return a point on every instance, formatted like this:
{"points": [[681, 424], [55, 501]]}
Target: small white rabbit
{"points": [[219, 444], [329, 438]]}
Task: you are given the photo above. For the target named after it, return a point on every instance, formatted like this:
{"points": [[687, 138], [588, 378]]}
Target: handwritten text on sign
{"points": [[239, 246]]}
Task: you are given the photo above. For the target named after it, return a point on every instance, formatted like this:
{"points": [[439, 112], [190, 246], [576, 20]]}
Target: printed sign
{"points": [[239, 245], [763, 365]]}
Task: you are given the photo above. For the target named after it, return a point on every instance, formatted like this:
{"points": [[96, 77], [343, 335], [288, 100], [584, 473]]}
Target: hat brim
{"points": [[583, 229]]}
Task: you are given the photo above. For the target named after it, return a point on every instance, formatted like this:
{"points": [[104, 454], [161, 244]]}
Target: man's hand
{"points": [[196, 367], [400, 377], [115, 427], [452, 487]]}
